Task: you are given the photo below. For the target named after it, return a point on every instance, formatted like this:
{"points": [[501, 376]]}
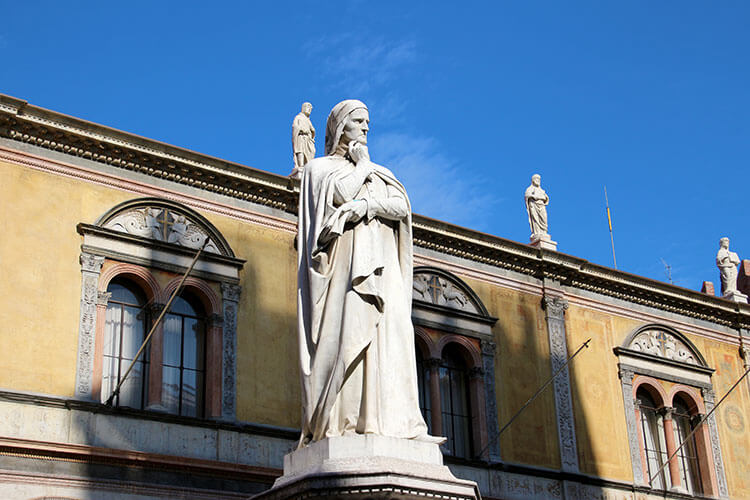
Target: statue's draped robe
{"points": [[356, 338], [536, 209], [727, 262], [303, 139]]}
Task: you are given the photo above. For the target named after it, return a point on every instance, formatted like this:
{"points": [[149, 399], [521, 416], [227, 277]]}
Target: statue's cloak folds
{"points": [[347, 288]]}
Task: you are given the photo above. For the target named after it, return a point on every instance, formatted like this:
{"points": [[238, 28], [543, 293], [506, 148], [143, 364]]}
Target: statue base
{"points": [[736, 297], [543, 241], [368, 467]]}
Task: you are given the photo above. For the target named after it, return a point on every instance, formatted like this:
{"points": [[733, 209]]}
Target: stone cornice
{"points": [[24, 122], [20, 121]]}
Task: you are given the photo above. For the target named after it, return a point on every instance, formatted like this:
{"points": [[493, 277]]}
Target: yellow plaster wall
{"points": [[42, 281], [41, 275], [733, 416], [268, 385], [522, 365], [598, 406]]}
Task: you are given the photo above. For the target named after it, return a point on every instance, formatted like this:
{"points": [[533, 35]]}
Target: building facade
{"points": [[100, 225]]}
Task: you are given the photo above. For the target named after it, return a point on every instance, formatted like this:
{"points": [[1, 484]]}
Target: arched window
{"points": [[652, 428], [667, 388], [423, 383], [687, 456], [454, 398], [124, 330], [183, 365]]}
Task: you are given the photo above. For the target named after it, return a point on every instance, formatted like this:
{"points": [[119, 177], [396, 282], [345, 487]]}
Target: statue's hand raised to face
{"points": [[358, 152]]}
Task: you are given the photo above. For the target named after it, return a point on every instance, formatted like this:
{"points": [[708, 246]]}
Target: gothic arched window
{"points": [[124, 330]]}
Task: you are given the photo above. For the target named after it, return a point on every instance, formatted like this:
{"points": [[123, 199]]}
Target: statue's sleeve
{"points": [[393, 206], [346, 188]]}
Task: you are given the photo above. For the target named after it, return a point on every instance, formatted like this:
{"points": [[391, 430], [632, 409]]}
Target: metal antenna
{"points": [[609, 219], [667, 271]]}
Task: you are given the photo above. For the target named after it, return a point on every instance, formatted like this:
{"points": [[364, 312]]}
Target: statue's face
{"points": [[356, 127], [307, 108], [724, 243], [536, 180]]}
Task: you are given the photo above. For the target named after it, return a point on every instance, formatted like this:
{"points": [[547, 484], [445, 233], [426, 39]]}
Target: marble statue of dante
{"points": [[303, 139], [536, 206], [356, 338], [727, 262]]}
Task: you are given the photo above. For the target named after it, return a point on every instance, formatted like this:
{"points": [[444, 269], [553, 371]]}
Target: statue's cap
{"points": [[336, 121]]}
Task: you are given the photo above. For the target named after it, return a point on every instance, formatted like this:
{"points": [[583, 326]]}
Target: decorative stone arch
{"points": [[653, 387], [435, 288], [471, 354], [654, 353], [136, 237], [202, 290], [165, 220], [444, 304], [690, 395], [140, 275], [424, 343], [664, 342]]}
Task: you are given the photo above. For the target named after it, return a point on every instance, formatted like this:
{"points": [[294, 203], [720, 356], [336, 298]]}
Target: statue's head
{"points": [[306, 108], [724, 242], [536, 180], [348, 121]]}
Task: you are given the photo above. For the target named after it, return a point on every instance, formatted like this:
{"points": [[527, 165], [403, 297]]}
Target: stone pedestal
{"points": [[543, 241], [736, 297], [365, 467]]}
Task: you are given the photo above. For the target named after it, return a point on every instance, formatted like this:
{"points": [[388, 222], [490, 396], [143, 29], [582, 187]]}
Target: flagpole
{"points": [[609, 219]]}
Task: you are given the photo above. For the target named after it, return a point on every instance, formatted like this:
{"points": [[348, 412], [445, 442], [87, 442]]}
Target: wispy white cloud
{"points": [[436, 184], [348, 64], [371, 68]]}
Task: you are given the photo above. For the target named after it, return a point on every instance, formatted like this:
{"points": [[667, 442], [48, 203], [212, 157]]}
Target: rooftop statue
{"points": [[356, 337], [536, 206], [303, 139], [727, 263]]}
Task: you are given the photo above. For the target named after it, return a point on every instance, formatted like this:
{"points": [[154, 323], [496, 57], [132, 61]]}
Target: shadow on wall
{"points": [[523, 365], [159, 446]]}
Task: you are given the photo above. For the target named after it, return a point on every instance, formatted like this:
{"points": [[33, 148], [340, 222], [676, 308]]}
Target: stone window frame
{"points": [[135, 257], [470, 352], [693, 383], [436, 327]]}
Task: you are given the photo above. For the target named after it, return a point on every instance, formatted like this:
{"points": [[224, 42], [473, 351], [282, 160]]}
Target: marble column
{"points": [[230, 297], [490, 401], [633, 422], [91, 266], [554, 307], [674, 466], [436, 410], [708, 400]]}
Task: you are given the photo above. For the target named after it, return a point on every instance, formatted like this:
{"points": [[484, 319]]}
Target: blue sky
{"points": [[467, 101]]}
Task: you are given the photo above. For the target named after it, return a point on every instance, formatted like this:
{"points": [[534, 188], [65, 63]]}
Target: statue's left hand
{"points": [[356, 209]]}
